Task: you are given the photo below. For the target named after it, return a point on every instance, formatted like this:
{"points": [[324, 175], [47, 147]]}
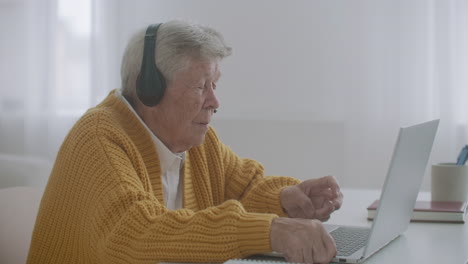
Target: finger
{"points": [[296, 256], [338, 201], [330, 245], [307, 255], [308, 210], [325, 210], [319, 252], [325, 219], [328, 181], [327, 193], [335, 195], [333, 184], [321, 205], [287, 256], [324, 183]]}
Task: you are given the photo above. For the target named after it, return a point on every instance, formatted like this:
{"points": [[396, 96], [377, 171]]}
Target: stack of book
{"points": [[431, 211]]}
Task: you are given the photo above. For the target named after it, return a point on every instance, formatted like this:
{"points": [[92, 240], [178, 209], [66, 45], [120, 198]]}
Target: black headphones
{"points": [[150, 84]]}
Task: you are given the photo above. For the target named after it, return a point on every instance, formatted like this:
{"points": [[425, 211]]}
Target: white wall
{"points": [[296, 64], [312, 88], [300, 149]]}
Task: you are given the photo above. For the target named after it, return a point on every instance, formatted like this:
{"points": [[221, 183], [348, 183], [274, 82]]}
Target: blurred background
{"points": [[313, 87]]}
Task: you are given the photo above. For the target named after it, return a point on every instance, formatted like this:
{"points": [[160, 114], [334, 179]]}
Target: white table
{"points": [[422, 243]]}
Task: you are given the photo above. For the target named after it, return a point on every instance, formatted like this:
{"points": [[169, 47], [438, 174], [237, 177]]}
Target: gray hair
{"points": [[177, 43]]}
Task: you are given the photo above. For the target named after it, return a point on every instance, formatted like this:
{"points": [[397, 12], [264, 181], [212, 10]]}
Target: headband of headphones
{"points": [[150, 84]]}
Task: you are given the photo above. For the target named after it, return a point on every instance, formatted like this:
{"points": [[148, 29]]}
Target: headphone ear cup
{"points": [[150, 83]]}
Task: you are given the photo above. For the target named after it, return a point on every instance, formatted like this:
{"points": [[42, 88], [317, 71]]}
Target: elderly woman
{"points": [[143, 178]]}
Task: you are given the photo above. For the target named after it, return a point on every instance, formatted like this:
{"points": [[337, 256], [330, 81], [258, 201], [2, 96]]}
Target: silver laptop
{"points": [[401, 187], [399, 194]]}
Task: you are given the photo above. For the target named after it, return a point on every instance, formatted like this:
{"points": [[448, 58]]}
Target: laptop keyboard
{"points": [[349, 239]]}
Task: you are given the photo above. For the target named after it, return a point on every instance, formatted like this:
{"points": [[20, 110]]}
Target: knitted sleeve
{"points": [[245, 181], [130, 225]]}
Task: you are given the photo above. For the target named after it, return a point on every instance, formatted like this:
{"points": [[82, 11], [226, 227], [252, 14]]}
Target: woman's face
{"points": [[181, 119]]}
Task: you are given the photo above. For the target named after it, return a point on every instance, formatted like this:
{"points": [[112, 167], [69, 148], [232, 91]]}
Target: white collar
{"points": [[166, 156]]}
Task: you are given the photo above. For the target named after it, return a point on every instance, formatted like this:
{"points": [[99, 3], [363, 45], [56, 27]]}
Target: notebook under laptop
{"points": [[400, 190]]}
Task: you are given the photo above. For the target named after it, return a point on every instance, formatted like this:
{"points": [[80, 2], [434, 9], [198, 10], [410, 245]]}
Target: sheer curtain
{"points": [[418, 57], [53, 68], [48, 82], [60, 57]]}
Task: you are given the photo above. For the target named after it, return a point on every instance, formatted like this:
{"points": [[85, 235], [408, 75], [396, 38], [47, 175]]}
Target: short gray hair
{"points": [[177, 43]]}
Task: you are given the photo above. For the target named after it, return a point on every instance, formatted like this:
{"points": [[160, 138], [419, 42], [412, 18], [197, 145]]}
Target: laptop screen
{"points": [[401, 187]]}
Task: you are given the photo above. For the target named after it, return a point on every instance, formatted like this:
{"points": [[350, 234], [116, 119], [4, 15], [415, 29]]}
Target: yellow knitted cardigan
{"points": [[104, 199]]}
